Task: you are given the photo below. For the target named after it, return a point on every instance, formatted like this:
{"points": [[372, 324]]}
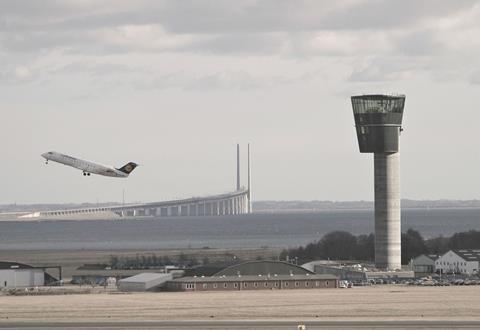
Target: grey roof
{"points": [[432, 257], [263, 267], [13, 265], [210, 269], [379, 96], [468, 254], [107, 272], [144, 277], [251, 278]]}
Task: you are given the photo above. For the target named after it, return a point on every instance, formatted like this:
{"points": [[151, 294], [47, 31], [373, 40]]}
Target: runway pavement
{"points": [[245, 324]]}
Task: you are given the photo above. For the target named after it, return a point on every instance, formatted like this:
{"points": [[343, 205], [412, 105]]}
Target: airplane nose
{"points": [[44, 155]]}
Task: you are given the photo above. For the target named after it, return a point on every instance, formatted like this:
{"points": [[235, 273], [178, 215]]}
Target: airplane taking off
{"points": [[89, 167]]}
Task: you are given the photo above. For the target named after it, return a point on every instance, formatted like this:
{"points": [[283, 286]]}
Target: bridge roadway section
{"points": [[233, 203]]}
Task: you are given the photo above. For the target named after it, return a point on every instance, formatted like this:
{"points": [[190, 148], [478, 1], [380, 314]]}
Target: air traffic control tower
{"points": [[378, 120]]}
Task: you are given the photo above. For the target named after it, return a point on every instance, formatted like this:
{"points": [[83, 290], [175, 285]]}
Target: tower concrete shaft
{"points": [[387, 211], [378, 121]]}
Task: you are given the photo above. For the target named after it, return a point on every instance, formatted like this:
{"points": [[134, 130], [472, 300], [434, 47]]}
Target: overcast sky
{"points": [[174, 85]]}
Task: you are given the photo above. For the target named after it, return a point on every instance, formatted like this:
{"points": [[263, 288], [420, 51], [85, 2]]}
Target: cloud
{"points": [[427, 35], [237, 43], [17, 74], [283, 15], [22, 72], [211, 26], [388, 14], [420, 43], [475, 77], [230, 80], [227, 80], [93, 69], [386, 69]]}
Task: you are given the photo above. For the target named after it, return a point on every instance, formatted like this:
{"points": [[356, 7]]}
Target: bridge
{"points": [[232, 203]]}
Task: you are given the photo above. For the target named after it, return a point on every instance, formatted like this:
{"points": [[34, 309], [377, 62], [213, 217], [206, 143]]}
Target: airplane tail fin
{"points": [[128, 168]]}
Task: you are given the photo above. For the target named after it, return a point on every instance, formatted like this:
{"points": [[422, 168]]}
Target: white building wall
{"points": [[131, 287], [7, 278], [472, 266], [21, 278], [451, 262], [38, 278]]}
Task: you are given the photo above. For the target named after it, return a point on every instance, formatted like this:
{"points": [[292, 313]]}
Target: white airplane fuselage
{"points": [[89, 167]]}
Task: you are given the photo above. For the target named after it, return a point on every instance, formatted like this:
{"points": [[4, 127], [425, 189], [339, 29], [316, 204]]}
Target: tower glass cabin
{"points": [[378, 119]]}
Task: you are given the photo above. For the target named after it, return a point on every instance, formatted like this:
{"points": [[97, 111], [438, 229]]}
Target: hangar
{"points": [[250, 282], [255, 275], [16, 275]]}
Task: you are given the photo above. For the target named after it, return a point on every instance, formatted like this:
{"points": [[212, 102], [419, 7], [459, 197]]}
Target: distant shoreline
{"points": [[262, 206], [293, 206], [287, 211], [15, 216]]}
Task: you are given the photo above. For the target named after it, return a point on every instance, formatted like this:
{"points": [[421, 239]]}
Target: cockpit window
{"points": [[50, 153]]}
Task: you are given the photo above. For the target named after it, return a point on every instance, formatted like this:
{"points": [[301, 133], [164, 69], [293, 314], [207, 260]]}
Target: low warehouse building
{"points": [[386, 277], [16, 275], [144, 282], [343, 273], [100, 276], [251, 282], [358, 273]]}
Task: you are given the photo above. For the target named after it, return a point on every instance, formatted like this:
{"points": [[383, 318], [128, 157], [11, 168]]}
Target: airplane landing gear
{"points": [[86, 173], [46, 162]]}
